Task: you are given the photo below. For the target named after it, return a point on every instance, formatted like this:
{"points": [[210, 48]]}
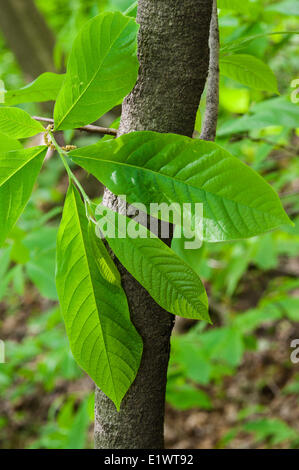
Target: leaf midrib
{"points": [[172, 178], [164, 273], [94, 297], [172, 282]]}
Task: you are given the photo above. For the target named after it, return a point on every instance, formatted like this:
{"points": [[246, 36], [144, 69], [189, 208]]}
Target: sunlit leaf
{"points": [[102, 69], [149, 167], [103, 340]]}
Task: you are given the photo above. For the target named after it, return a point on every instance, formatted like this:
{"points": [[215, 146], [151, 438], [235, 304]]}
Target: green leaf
{"points": [[132, 9], [167, 278], [16, 123], [223, 344], [77, 432], [191, 257], [149, 167], [185, 397], [45, 88], [188, 355], [102, 338], [8, 143], [18, 172], [101, 71], [249, 71], [239, 44]]}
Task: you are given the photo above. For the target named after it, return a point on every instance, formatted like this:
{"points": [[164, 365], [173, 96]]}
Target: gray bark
{"points": [[28, 36], [174, 58], [211, 114]]}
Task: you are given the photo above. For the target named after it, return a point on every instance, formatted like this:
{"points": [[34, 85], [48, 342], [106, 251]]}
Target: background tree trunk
{"points": [[174, 59], [28, 36], [209, 126]]}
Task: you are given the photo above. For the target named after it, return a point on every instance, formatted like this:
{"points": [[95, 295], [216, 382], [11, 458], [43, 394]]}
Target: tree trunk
{"points": [[173, 53], [28, 36]]}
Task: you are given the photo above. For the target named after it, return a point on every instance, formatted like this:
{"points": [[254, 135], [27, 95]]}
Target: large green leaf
{"points": [[101, 71], [18, 172], [16, 123], [249, 71], [168, 279], [149, 167], [102, 338], [45, 88]]}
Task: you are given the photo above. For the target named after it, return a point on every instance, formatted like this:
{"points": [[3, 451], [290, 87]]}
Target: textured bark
{"points": [[28, 36], [174, 58], [211, 114]]}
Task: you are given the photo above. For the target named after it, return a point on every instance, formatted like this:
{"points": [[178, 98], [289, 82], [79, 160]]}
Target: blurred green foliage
{"points": [[258, 127]]}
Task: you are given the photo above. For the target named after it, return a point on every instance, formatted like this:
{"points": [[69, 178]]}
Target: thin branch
{"points": [[91, 129], [211, 114]]}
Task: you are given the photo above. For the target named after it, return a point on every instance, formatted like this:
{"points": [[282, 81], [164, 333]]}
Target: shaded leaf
{"points": [[184, 397], [18, 172], [249, 71], [45, 88], [16, 123]]}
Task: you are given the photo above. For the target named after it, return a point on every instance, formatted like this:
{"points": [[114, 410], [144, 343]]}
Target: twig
{"points": [[91, 129], [71, 175], [211, 114]]}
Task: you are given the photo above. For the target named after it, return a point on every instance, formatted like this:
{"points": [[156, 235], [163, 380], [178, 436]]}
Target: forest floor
{"points": [[259, 383]]}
